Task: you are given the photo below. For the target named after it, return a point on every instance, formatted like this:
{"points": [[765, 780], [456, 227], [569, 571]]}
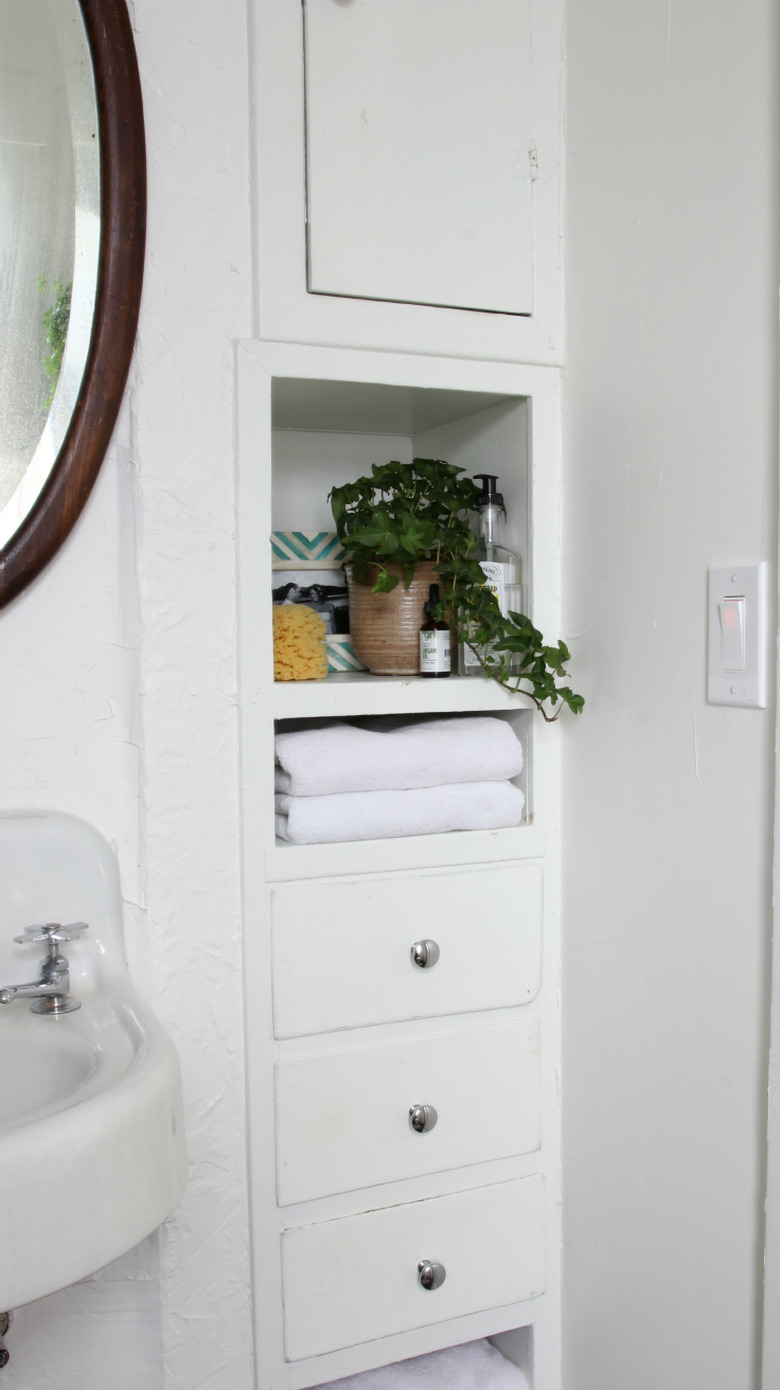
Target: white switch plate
{"points": [[737, 622]]}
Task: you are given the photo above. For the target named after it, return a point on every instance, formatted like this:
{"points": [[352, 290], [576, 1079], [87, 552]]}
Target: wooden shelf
{"points": [[356, 693]]}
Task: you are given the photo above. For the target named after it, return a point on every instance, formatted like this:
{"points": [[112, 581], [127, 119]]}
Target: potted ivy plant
{"points": [[407, 525]]}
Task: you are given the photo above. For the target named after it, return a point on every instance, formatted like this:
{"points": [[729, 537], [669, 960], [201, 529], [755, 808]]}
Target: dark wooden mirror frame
{"points": [[117, 301]]}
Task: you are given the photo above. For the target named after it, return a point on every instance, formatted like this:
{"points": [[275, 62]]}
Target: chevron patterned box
{"points": [[341, 654], [302, 550]]}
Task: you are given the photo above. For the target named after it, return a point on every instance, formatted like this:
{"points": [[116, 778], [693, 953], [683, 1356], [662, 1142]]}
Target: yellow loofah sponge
{"points": [[299, 644]]}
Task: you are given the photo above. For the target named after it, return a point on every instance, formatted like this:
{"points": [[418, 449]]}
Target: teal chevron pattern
{"points": [[309, 549], [341, 655]]}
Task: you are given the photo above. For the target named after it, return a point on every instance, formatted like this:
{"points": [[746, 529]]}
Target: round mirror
{"points": [[72, 222]]}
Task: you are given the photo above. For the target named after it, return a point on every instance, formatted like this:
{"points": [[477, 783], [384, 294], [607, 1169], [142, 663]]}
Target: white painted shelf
{"points": [[286, 862], [348, 694]]}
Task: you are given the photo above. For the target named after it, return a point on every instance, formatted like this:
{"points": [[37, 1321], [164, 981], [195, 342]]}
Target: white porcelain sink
{"points": [[41, 1071], [92, 1153]]}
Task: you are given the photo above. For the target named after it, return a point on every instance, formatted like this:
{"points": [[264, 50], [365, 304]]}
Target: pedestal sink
{"points": [[92, 1153]]}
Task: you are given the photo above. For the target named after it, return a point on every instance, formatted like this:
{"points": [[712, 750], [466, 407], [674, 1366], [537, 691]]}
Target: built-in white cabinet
{"points": [[408, 155], [403, 1120], [349, 1039]]}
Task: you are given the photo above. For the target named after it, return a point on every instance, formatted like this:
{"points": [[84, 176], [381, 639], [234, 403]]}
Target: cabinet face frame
{"points": [[284, 308], [258, 365]]}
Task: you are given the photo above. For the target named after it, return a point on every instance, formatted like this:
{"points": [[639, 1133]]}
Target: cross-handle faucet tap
{"points": [[50, 992]]}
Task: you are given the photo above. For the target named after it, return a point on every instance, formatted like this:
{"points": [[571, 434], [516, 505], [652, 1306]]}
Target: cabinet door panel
{"points": [[342, 956], [342, 1121], [418, 136], [355, 1279]]}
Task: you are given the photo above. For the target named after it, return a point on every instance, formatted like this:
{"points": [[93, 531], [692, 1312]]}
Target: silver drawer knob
{"points": [[425, 954], [423, 1118], [430, 1274]]}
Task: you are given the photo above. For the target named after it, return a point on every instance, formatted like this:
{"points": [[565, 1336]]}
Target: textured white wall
{"points": [[118, 704], [194, 74], [670, 466]]}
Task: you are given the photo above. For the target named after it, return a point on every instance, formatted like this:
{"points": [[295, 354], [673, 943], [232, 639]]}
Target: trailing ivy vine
{"points": [[401, 514]]}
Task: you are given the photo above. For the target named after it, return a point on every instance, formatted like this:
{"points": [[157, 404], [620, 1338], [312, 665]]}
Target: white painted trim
{"points": [[770, 1362]]}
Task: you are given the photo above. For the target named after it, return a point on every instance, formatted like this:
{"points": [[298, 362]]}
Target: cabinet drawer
{"points": [[356, 1279], [341, 951], [342, 1121]]}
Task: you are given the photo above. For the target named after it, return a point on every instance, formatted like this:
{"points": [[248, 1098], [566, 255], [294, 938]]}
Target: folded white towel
{"points": [[474, 1366], [317, 820], [430, 753]]}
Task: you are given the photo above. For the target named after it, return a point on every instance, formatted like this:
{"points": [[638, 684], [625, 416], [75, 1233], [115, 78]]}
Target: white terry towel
{"points": [[474, 1366], [318, 820], [438, 752]]}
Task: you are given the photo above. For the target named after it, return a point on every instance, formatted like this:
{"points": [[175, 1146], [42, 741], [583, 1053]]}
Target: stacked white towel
{"points": [[474, 1366], [343, 782]]}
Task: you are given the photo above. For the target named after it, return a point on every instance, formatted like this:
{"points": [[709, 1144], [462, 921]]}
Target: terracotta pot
{"points": [[385, 628]]}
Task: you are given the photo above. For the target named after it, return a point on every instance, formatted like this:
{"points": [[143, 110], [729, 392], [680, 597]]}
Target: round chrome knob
{"points": [[423, 1118], [425, 954], [430, 1274]]}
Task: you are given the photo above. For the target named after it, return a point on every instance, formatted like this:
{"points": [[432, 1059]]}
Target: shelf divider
{"points": [[345, 694], [285, 862]]}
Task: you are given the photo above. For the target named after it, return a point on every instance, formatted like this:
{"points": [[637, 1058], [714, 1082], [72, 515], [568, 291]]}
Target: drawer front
{"points": [[356, 1279], [342, 1121], [342, 950]]}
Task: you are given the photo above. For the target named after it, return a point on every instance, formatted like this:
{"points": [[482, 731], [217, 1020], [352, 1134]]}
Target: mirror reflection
{"points": [[49, 238]]}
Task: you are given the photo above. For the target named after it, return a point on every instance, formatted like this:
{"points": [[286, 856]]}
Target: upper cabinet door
{"points": [[418, 144], [407, 176]]}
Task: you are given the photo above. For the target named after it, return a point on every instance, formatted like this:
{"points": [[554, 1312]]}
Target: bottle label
{"points": [[496, 576], [496, 579], [434, 652]]}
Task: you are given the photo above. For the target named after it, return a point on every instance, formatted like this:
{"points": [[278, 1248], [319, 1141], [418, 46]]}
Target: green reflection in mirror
{"points": [[55, 323]]}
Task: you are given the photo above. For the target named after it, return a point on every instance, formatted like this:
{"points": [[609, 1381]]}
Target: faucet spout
{"points": [[31, 991]]}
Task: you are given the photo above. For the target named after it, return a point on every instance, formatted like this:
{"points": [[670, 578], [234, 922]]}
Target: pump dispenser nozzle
{"points": [[489, 496]]}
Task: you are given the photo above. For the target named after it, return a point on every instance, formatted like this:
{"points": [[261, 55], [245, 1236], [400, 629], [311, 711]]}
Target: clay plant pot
{"points": [[385, 628]]}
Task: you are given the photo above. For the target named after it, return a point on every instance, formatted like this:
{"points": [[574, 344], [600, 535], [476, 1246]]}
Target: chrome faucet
{"points": [[50, 992]]}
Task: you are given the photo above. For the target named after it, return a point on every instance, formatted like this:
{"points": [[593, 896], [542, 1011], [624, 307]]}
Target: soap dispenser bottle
{"points": [[501, 566]]}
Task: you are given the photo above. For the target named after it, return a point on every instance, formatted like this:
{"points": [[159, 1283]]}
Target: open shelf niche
{"points": [[311, 424], [326, 433]]}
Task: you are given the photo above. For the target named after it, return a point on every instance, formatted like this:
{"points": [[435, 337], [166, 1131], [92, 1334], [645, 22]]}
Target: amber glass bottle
{"points": [[434, 640]]}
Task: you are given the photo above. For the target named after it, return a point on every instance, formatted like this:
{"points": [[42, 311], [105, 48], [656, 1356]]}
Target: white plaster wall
{"points": [[118, 704], [194, 74], [670, 465]]}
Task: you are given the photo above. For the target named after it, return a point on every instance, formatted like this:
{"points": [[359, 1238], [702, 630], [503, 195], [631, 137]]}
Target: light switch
{"points": [[731, 611], [737, 659]]}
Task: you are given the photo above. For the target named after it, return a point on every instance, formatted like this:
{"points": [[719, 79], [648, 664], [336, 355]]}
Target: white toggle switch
{"points": [[736, 672], [731, 611]]}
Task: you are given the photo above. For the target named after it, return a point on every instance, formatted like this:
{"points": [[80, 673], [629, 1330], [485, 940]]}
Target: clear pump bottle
{"points": [[501, 566]]}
